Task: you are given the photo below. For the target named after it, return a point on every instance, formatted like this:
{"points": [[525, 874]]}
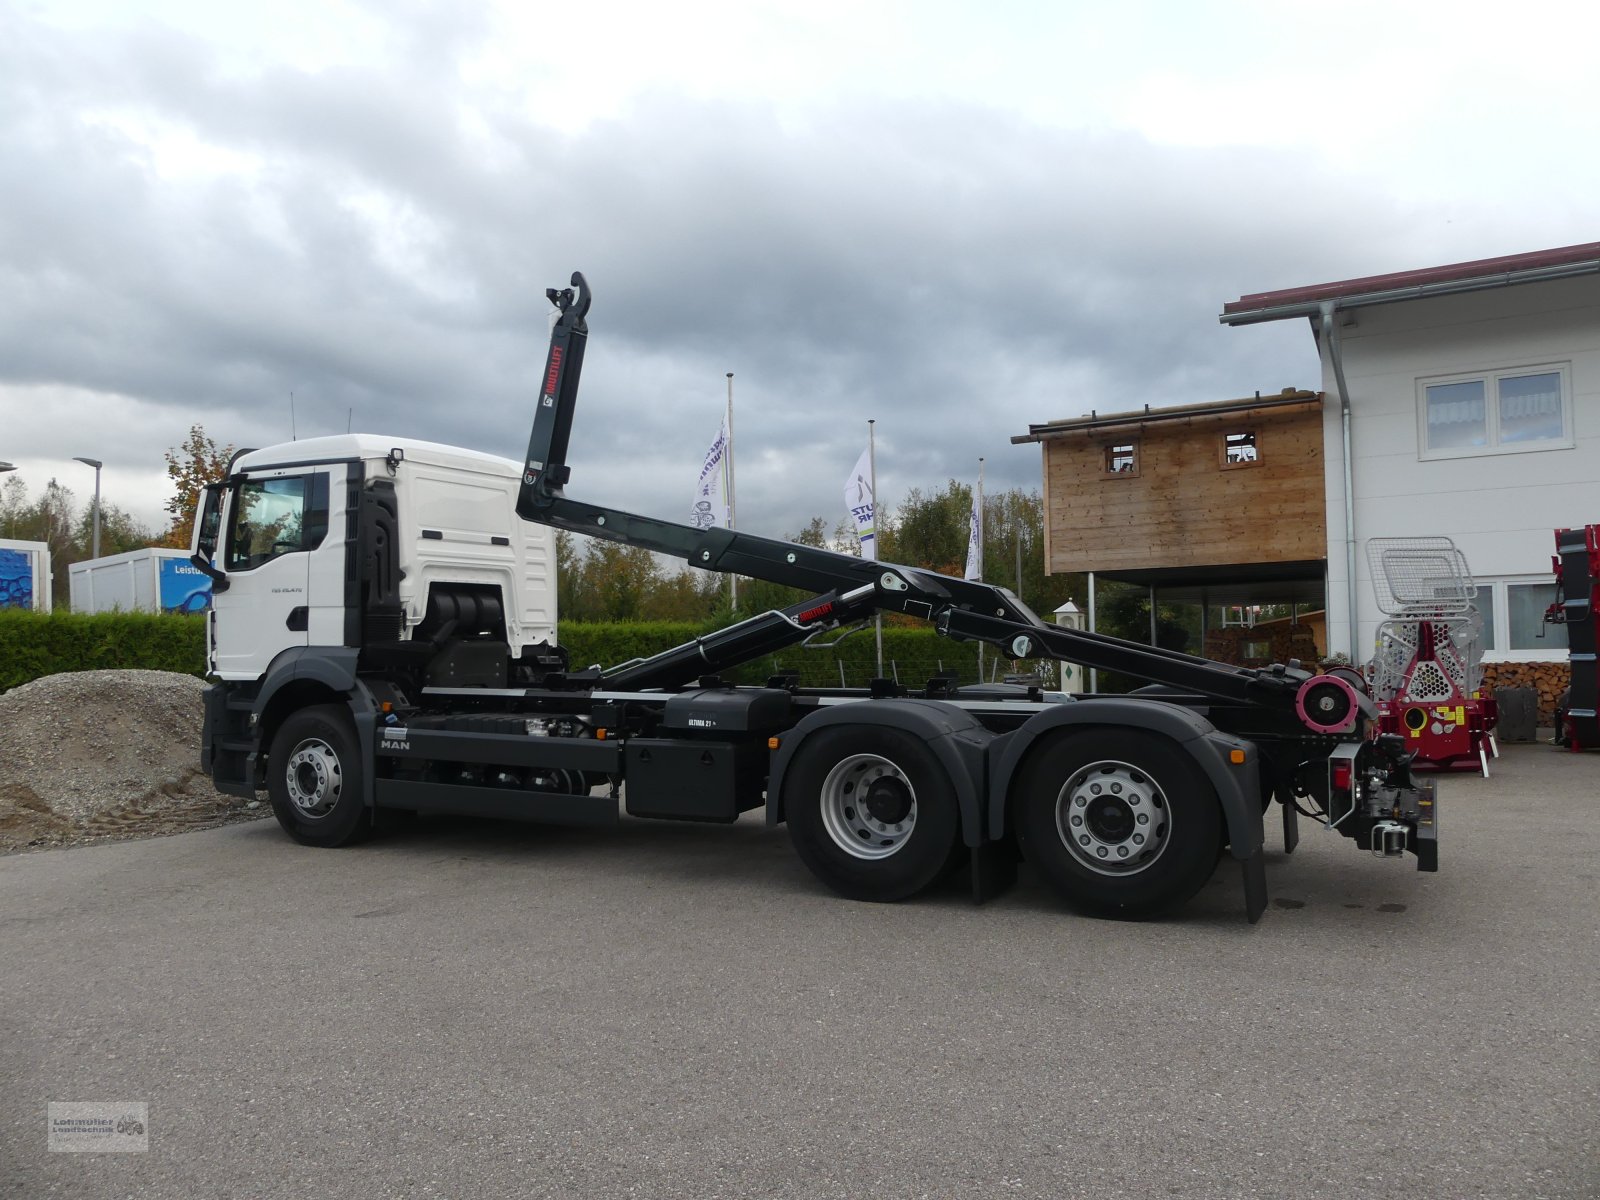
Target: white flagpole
{"points": [[877, 523], [980, 554], [733, 519]]}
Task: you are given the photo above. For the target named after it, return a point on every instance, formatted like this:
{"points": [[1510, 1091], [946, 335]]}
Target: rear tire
{"points": [[314, 778], [1120, 821], [871, 812]]}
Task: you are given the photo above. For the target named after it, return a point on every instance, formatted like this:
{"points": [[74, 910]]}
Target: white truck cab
{"points": [[358, 539]]}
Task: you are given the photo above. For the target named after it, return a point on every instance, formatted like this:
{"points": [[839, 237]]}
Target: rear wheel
{"points": [[871, 812], [1120, 821], [314, 778]]}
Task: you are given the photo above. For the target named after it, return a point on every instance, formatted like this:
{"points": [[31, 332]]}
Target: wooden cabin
{"points": [[1210, 503]]}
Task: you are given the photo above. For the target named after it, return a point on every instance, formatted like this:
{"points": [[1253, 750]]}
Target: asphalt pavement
{"points": [[471, 1009]]}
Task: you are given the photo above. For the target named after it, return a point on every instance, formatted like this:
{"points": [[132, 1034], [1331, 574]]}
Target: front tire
{"points": [[871, 812], [1120, 821], [314, 778]]}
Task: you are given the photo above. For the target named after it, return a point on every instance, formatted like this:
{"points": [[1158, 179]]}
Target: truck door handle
{"points": [[299, 619]]}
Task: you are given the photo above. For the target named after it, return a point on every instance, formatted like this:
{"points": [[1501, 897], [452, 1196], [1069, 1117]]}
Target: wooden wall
{"points": [[1183, 508]]}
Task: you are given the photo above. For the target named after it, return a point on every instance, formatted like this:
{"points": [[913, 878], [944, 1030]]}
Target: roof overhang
{"points": [[1298, 582], [1480, 275], [1101, 423]]}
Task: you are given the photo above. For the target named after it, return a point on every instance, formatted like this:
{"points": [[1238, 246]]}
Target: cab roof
{"points": [[371, 447]]}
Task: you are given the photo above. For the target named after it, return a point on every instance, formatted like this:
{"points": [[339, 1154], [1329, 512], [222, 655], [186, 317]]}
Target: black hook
{"points": [[568, 300]]}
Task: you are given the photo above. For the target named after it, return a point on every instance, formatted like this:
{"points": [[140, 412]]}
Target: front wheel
{"points": [[871, 811], [1120, 821], [314, 778]]}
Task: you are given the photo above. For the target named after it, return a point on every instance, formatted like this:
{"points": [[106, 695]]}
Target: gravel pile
{"points": [[104, 753]]}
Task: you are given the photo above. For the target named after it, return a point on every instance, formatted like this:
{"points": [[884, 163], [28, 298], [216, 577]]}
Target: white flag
{"points": [[710, 507], [975, 541], [858, 498]]}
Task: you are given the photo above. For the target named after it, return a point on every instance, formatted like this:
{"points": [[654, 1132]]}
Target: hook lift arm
{"points": [[847, 587]]}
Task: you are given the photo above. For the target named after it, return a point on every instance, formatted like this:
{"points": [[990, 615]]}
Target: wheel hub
{"points": [[1109, 819], [314, 778], [1113, 818], [888, 800], [868, 805]]}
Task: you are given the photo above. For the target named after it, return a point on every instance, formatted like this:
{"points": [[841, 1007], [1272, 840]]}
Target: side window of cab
{"points": [[273, 517]]}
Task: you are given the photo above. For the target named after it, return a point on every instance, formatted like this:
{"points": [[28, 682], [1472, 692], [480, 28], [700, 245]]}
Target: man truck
{"points": [[383, 636]]}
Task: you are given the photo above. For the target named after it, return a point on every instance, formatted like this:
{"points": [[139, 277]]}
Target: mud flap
{"points": [[1255, 886], [994, 870]]}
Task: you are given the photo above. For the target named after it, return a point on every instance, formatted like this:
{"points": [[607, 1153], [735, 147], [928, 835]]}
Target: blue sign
{"points": [[16, 579], [184, 589]]}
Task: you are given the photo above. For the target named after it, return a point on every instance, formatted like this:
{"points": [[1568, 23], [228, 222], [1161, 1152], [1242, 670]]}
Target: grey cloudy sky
{"points": [[955, 218]]}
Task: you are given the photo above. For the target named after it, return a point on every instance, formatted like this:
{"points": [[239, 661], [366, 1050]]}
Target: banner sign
{"points": [[858, 498]]}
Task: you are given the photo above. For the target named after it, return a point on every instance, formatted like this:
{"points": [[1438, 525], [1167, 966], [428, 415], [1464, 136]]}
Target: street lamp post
{"points": [[4, 467], [96, 464]]}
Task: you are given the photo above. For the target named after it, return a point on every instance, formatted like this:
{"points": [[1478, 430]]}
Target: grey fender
{"points": [[955, 737], [332, 667], [1236, 784]]}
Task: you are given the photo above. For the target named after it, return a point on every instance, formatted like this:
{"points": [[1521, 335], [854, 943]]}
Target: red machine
{"points": [[1427, 671], [1577, 568]]}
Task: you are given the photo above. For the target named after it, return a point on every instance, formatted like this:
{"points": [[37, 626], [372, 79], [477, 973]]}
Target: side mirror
{"points": [[207, 530]]}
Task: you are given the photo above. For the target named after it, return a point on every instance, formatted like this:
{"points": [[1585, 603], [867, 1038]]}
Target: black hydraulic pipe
{"points": [[1240, 685], [765, 633]]}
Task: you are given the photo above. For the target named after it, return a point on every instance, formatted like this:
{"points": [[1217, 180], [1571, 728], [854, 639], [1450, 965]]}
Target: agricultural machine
{"points": [[1427, 670]]}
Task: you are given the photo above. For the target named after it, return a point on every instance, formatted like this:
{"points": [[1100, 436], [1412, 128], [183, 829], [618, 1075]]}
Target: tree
{"points": [[931, 530], [13, 503], [191, 466], [814, 534], [569, 562], [49, 519], [55, 519], [120, 531], [682, 595]]}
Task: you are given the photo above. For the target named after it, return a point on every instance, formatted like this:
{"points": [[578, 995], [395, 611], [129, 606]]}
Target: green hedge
{"points": [[34, 644]]}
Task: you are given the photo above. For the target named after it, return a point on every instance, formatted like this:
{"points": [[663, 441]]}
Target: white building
{"points": [[1469, 398]]}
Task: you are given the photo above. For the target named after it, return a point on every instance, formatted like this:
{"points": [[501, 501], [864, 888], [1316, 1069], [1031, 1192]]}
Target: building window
{"points": [[1498, 412], [1122, 458], [1513, 620], [1240, 449]]}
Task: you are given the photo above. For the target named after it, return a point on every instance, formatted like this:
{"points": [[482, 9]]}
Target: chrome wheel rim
{"points": [[869, 807], [314, 777], [1113, 818]]}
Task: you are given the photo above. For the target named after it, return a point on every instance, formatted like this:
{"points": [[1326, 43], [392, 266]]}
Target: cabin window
{"points": [[1122, 459], [1240, 448], [284, 514]]}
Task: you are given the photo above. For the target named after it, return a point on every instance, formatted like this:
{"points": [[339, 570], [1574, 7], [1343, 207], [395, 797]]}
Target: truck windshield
{"points": [[274, 517]]}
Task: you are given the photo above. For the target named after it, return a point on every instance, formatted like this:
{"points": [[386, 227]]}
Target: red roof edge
{"points": [[1560, 256]]}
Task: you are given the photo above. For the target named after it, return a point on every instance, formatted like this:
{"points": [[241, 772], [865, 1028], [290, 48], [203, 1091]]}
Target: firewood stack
{"points": [[1549, 679]]}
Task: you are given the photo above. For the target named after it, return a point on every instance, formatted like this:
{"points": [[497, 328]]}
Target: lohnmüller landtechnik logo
{"points": [[99, 1126]]}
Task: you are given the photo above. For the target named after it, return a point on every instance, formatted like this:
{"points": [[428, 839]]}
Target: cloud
{"points": [[190, 239]]}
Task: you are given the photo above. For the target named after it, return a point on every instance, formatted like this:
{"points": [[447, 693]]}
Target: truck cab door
{"points": [[277, 520]]}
